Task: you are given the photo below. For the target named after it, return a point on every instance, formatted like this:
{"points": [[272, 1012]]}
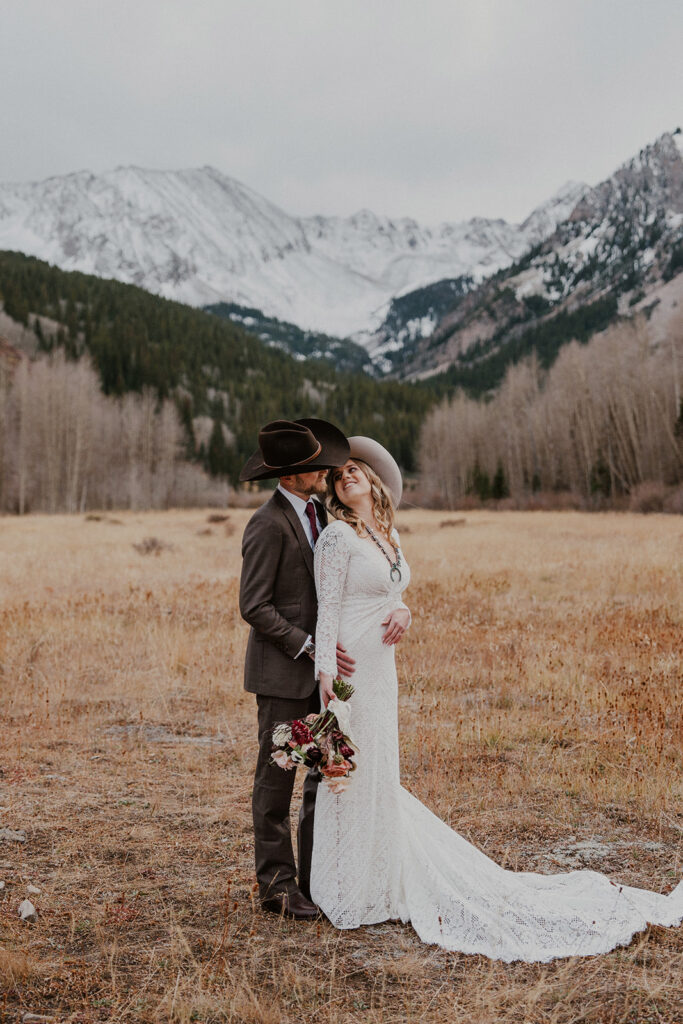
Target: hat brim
{"points": [[383, 463], [334, 451]]}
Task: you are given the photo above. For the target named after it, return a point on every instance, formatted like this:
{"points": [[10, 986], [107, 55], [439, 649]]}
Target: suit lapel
{"points": [[294, 521]]}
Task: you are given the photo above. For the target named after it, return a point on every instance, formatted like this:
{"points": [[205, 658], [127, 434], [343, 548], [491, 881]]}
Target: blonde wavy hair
{"points": [[382, 503]]}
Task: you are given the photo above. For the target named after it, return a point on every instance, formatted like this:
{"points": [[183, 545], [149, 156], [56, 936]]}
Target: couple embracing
{"points": [[326, 599]]}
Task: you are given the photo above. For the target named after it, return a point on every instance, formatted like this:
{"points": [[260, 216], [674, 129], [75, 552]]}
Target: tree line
{"points": [[209, 367], [603, 420], [67, 447], [128, 383]]}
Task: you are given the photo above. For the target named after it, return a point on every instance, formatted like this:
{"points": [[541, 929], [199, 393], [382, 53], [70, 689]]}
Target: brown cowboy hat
{"points": [[295, 446]]}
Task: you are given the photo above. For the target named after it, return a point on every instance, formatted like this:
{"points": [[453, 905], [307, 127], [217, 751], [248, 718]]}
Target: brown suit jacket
{"points": [[278, 600]]}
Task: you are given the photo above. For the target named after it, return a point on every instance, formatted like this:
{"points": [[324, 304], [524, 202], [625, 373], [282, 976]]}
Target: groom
{"points": [[278, 600]]}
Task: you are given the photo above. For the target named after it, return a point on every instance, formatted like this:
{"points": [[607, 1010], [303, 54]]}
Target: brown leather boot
{"points": [[291, 904]]}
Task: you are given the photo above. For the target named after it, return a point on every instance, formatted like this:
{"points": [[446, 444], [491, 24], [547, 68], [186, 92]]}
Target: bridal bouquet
{"points": [[319, 740]]}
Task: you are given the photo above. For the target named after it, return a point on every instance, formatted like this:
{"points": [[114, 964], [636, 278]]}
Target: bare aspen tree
{"points": [[4, 403], [168, 444], [64, 446], [19, 415], [603, 419], [514, 442]]}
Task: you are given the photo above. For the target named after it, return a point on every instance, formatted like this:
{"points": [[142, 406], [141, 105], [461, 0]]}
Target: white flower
{"points": [[281, 734], [296, 757], [280, 758]]}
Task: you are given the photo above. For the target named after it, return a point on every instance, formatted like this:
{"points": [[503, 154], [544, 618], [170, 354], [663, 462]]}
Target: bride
{"points": [[378, 853]]}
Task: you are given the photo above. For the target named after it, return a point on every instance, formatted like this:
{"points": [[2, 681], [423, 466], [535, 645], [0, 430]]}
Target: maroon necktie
{"points": [[310, 512]]}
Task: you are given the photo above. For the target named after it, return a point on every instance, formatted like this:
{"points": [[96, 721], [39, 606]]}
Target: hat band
{"points": [[302, 462]]}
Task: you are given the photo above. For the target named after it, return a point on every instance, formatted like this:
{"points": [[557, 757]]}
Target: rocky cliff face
{"points": [[621, 243]]}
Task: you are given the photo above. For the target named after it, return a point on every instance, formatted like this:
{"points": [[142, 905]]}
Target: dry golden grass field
{"points": [[542, 716]]}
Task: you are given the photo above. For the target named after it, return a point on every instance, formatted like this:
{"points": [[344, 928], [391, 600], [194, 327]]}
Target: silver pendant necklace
{"points": [[395, 572]]}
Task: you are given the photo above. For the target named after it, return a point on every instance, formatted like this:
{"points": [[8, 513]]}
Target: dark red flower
{"points": [[313, 755], [345, 750], [300, 732]]}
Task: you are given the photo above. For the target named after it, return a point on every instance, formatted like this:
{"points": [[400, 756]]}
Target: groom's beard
{"points": [[317, 487]]}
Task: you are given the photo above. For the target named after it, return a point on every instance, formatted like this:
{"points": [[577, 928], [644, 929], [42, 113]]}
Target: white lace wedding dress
{"points": [[378, 853]]}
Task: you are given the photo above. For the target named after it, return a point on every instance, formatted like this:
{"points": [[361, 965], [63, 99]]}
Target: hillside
{"points": [[212, 368], [614, 255], [342, 353]]}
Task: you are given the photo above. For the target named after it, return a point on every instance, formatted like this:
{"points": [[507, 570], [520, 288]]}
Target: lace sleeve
{"points": [[331, 563]]}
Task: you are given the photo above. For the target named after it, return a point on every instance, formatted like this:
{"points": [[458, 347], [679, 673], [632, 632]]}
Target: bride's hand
{"points": [[397, 623], [326, 691]]}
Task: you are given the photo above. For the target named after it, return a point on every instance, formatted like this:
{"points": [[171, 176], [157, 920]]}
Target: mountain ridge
{"points": [[201, 237], [621, 244]]}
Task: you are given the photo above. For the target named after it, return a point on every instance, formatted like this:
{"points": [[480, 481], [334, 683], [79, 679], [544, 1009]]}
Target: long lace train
{"points": [[379, 853]]}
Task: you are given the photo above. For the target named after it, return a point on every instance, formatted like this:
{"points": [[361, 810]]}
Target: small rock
{"points": [[27, 912], [36, 1018], [2, 885], [9, 835], [32, 889]]}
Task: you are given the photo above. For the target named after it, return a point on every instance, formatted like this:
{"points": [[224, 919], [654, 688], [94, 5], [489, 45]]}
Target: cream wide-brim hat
{"points": [[379, 459]]}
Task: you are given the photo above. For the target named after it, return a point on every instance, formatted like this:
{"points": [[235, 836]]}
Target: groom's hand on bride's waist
{"points": [[346, 665]]}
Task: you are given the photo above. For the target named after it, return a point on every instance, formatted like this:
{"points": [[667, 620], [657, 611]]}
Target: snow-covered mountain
{"points": [[201, 237], [619, 248]]}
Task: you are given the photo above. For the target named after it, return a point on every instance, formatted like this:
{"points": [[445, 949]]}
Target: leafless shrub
{"points": [[217, 517], [452, 522], [552, 501], [465, 503], [152, 546], [674, 501], [648, 497], [193, 488], [249, 498]]}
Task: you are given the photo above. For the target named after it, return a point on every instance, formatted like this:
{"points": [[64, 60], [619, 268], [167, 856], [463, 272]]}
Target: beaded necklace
{"points": [[395, 566]]}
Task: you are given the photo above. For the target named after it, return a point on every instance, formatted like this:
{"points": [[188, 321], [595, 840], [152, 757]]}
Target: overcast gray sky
{"points": [[438, 109]]}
